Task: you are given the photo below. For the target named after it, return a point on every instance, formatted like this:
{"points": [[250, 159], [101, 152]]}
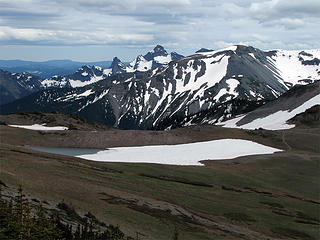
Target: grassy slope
{"points": [[246, 198]]}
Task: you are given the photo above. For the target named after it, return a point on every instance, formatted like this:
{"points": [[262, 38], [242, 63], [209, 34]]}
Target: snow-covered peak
{"points": [[153, 59], [140, 64], [156, 52], [296, 66], [86, 75], [55, 82], [83, 76]]}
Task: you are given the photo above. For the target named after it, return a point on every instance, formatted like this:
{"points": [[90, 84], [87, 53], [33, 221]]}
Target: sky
{"points": [[97, 30]]}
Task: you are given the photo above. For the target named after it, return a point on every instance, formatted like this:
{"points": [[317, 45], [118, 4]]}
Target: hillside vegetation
{"points": [[255, 197]]}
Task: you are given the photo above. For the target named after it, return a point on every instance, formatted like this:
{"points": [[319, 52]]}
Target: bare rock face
{"points": [[311, 117]]}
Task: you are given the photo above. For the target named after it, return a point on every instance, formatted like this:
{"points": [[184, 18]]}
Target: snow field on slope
{"points": [[163, 59], [86, 93], [105, 92], [52, 83], [182, 154], [291, 68], [107, 71], [40, 127], [275, 121], [78, 83], [84, 74], [233, 83], [214, 73], [143, 65]]}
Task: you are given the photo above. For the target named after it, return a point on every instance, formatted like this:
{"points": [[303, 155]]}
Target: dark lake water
{"points": [[66, 151]]}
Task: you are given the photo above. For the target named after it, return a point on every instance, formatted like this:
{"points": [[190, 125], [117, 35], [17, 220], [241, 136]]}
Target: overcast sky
{"points": [[91, 30]]}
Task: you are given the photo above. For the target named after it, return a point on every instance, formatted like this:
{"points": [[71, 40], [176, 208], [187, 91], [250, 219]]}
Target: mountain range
{"points": [[161, 90], [89, 74], [84, 75], [48, 68]]}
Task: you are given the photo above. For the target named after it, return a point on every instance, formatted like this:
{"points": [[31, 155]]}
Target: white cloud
{"points": [[288, 23], [70, 37], [288, 13], [7, 33], [183, 25]]}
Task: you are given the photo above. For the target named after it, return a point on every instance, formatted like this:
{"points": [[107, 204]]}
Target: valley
{"points": [[272, 196]]}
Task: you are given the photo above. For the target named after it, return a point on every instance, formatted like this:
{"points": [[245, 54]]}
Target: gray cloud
{"points": [[189, 23], [296, 8], [290, 14]]}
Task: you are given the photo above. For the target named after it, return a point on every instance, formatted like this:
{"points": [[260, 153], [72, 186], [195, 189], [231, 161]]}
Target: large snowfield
{"points": [[182, 154], [275, 121], [40, 127]]}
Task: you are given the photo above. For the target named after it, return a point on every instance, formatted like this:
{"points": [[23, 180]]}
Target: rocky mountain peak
{"points": [[117, 66], [204, 50], [116, 62], [153, 59], [159, 49], [156, 52]]}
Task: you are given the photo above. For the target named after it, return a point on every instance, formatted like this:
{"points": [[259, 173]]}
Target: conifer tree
{"points": [[20, 220]]}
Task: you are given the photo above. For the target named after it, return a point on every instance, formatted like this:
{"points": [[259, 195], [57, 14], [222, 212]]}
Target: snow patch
{"points": [[252, 55], [233, 83], [107, 71], [41, 127], [275, 121], [78, 83], [54, 82], [291, 68], [163, 59], [86, 93], [182, 154], [140, 64]]}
